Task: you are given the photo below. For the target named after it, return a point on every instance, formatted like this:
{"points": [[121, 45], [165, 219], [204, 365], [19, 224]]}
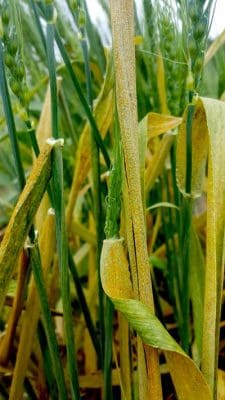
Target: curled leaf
{"points": [[187, 378], [163, 204], [155, 124], [200, 147], [208, 147]]}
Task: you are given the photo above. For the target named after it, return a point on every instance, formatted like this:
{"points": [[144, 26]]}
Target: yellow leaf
{"points": [[44, 130], [152, 125], [208, 146], [161, 83], [155, 124], [156, 165], [199, 151], [214, 47], [22, 216], [138, 40], [115, 276]]}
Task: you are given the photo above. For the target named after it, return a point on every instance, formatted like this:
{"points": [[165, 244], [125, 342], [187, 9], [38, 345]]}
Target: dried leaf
{"points": [[44, 132], [155, 124], [214, 47], [22, 217]]}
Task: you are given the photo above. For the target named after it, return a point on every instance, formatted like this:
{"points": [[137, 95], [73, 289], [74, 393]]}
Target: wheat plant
{"points": [[112, 201]]}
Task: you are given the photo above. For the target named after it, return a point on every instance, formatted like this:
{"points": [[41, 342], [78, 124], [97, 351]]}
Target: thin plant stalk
{"points": [[47, 362], [95, 162], [47, 321], [112, 230], [186, 210], [82, 98], [84, 305], [38, 23], [62, 245], [52, 70], [10, 121], [58, 201]]}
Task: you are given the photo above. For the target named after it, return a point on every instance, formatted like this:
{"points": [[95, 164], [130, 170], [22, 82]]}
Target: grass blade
{"points": [[47, 321], [62, 246], [83, 305]]}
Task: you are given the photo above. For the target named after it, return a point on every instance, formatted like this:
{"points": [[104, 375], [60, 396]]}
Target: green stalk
{"points": [[62, 246], [190, 114], [3, 391], [82, 98], [186, 212], [167, 232], [35, 11], [47, 321], [100, 233], [180, 267], [47, 362], [52, 70], [96, 192], [175, 260], [29, 390], [96, 45], [107, 371], [33, 138], [112, 230], [58, 201], [83, 305], [186, 218], [10, 121], [87, 68], [177, 200]]}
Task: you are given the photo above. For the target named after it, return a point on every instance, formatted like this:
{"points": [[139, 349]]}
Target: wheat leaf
{"points": [[208, 144], [22, 217], [187, 378]]}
